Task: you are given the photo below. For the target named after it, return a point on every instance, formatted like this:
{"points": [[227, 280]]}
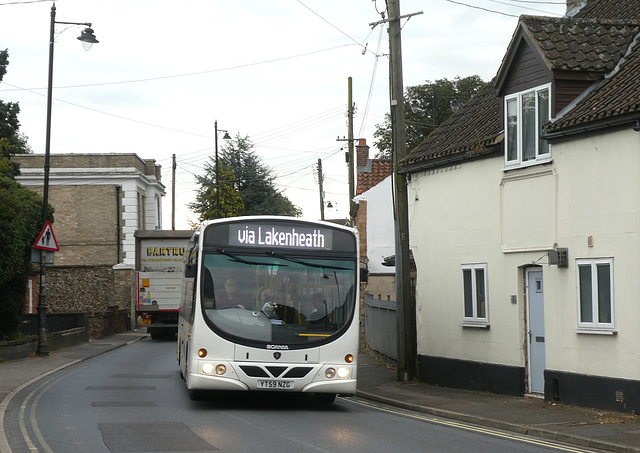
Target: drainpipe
{"points": [[118, 228]]}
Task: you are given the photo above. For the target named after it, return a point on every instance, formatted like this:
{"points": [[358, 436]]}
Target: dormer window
{"points": [[525, 114]]}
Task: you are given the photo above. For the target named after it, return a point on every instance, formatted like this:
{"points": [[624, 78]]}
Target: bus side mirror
{"points": [[189, 270], [364, 275]]}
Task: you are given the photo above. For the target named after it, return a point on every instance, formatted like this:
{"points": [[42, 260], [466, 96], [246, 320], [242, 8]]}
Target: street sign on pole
{"points": [[47, 240]]}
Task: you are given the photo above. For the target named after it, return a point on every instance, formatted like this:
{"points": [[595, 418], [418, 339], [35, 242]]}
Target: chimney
{"points": [[362, 153]]}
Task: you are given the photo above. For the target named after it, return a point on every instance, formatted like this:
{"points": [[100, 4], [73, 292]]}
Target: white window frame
{"points": [[539, 157], [476, 319], [595, 325]]}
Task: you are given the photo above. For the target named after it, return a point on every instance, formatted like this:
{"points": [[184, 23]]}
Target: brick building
{"points": [[100, 200]]}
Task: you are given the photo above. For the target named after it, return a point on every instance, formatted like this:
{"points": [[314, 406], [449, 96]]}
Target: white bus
{"points": [[270, 304]]}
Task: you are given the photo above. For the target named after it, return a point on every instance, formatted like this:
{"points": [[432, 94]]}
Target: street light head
{"points": [[88, 38], [417, 108], [226, 136]]}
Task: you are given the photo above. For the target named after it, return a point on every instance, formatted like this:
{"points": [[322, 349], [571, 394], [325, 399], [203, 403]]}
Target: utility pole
{"points": [[407, 349], [173, 194], [321, 189], [352, 191]]}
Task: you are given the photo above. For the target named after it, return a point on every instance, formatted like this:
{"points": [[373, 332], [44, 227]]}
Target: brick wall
{"points": [[108, 322], [86, 224]]}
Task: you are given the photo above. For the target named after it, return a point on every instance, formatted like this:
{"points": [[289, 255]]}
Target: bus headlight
{"points": [[221, 369], [330, 373], [343, 373], [202, 353], [348, 358], [207, 368]]}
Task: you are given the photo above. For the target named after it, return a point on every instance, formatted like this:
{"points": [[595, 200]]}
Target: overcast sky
{"points": [[274, 70]]}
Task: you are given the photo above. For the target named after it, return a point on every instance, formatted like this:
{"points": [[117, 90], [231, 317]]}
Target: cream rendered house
{"points": [[525, 219]]}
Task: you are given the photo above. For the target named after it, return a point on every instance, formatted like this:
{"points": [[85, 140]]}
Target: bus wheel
{"points": [[325, 398], [196, 395]]}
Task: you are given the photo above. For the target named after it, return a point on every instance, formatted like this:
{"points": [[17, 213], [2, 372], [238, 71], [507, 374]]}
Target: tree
{"points": [[420, 124], [246, 185], [11, 140], [20, 218], [20, 224], [231, 203]]}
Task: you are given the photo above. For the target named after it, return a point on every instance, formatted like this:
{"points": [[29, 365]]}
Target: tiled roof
{"points": [[610, 9], [475, 129], [367, 179], [617, 96], [579, 45], [589, 45]]}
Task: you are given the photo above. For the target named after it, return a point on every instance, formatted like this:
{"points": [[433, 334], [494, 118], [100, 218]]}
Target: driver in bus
{"points": [[229, 297]]}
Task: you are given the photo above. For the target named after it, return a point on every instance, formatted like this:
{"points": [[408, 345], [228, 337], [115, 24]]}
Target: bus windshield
{"points": [[277, 298]]}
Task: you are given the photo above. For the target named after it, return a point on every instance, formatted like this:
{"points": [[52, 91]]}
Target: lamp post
{"points": [[226, 137], [416, 107], [88, 39]]}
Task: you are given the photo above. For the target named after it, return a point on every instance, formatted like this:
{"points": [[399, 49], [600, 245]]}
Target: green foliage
{"points": [[231, 203], [246, 185], [20, 217], [20, 224], [11, 140], [422, 123]]}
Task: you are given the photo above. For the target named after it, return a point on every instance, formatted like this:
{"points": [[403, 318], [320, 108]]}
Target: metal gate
{"points": [[380, 326]]}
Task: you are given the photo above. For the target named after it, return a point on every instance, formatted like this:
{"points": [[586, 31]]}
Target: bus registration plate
{"points": [[275, 385]]}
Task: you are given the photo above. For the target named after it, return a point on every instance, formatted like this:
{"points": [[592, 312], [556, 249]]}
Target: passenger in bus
{"points": [[228, 298], [289, 293]]}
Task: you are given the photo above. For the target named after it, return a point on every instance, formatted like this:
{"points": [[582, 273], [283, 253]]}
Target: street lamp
{"points": [[88, 39], [226, 137], [416, 107]]}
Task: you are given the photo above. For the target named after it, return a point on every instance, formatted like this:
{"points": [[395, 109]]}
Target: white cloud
{"points": [[238, 62]]}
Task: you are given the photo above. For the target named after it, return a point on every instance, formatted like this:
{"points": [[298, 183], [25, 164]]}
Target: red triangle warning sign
{"points": [[47, 240]]}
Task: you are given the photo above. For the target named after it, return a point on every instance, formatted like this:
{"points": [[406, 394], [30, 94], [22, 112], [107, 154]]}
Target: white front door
{"points": [[536, 338]]}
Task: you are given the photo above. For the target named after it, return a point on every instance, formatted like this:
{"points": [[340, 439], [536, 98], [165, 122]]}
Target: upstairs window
{"points": [[525, 114]]}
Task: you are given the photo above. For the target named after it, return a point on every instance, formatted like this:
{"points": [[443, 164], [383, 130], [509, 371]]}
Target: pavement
{"points": [[583, 427]]}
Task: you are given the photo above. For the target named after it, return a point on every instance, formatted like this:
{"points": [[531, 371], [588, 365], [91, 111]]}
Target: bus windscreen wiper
{"points": [[305, 263], [237, 259]]}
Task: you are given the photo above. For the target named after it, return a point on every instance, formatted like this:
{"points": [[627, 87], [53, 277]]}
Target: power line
{"points": [[24, 2], [325, 20], [190, 74]]}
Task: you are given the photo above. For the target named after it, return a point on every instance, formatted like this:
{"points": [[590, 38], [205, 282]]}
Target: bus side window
{"points": [[193, 288]]}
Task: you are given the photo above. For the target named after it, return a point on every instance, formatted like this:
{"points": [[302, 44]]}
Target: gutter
{"points": [[628, 120], [468, 155]]}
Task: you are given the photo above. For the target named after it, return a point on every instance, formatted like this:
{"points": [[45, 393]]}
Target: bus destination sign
{"points": [[280, 236]]}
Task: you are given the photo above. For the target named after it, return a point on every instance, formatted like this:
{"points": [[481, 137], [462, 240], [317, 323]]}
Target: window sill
{"points": [[475, 325], [527, 164], [586, 331]]}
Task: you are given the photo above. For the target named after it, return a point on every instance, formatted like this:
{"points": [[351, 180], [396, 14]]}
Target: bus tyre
{"points": [[325, 398], [196, 395]]}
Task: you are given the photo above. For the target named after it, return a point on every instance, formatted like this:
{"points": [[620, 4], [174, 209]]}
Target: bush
{"points": [[20, 224]]}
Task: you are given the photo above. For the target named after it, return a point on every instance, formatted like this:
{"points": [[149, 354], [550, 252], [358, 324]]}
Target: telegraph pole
{"points": [[173, 193], [407, 349], [321, 189], [352, 192]]}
